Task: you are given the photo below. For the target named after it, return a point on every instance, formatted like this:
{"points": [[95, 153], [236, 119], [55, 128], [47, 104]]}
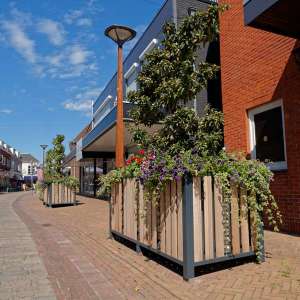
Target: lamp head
{"points": [[120, 34], [44, 146]]}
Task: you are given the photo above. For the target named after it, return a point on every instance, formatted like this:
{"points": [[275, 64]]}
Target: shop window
{"points": [[267, 137]]}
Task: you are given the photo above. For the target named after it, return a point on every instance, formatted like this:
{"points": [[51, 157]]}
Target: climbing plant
{"points": [[185, 142]]}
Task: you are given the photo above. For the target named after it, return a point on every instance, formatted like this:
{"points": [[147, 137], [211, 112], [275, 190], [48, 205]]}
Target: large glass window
{"points": [[87, 177], [267, 135]]}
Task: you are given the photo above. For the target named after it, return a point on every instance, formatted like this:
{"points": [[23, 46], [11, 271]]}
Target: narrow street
{"points": [[65, 251]]}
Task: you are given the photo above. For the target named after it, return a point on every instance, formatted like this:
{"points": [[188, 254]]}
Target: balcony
{"points": [[277, 16], [102, 137]]}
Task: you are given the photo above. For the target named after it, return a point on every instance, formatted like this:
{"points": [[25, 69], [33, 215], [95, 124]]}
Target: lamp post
{"points": [[120, 35]]}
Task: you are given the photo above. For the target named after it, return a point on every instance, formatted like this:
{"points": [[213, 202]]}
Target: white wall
{"points": [[25, 168]]}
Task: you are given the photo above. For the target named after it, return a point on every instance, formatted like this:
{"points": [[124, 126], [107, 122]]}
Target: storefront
{"points": [[90, 171]]}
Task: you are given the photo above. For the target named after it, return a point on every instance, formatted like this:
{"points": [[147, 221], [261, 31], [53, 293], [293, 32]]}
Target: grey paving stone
{"points": [[22, 272]]}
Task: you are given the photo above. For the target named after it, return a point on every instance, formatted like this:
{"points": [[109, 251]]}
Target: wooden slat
{"points": [[235, 226], [208, 218], [73, 196], [219, 226], [134, 209], [141, 214], [162, 222], [174, 238], [168, 220], [125, 206], [244, 221], [113, 207], [130, 207], [60, 193], [179, 219], [197, 216], [153, 225], [120, 201], [53, 193], [116, 206], [253, 227], [148, 221]]}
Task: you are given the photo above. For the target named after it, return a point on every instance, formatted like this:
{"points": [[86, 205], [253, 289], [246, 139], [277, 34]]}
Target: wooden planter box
{"points": [[59, 194], [190, 225]]}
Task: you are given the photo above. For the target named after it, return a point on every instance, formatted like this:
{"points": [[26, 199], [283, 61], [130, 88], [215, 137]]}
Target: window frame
{"points": [[150, 46], [274, 166]]}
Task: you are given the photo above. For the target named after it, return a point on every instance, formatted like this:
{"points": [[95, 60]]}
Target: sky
{"points": [[54, 61]]}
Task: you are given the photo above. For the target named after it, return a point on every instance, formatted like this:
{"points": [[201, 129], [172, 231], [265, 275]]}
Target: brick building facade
{"points": [[259, 73]]}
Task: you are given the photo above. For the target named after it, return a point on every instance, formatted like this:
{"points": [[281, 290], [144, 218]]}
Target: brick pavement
{"points": [[83, 264], [22, 272]]}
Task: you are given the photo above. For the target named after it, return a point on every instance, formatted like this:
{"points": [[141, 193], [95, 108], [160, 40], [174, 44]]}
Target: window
{"points": [[267, 137]]}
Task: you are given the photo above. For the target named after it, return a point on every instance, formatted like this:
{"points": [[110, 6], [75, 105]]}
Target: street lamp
{"points": [[44, 148], [120, 35]]}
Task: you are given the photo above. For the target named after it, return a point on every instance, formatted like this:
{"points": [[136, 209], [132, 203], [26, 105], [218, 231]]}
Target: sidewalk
{"points": [[83, 264], [22, 273]]}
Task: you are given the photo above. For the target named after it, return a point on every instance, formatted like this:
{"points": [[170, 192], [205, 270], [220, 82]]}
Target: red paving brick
{"points": [[84, 264]]}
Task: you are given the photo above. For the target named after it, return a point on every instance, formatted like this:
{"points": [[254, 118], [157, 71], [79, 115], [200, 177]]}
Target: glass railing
{"points": [[104, 109]]}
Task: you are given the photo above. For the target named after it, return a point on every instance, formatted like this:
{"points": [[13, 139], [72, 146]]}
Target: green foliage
{"points": [[58, 154], [48, 168], [131, 170], [54, 158], [170, 76], [183, 131]]}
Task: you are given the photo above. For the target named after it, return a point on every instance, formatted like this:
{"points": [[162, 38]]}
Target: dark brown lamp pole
{"points": [[120, 35]]}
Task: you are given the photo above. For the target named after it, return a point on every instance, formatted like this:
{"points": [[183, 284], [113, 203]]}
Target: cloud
{"points": [[20, 41], [70, 61], [53, 30], [83, 101], [84, 22], [72, 16], [6, 111], [78, 55], [84, 106]]}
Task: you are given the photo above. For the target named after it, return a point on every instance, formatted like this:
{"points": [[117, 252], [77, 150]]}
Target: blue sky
{"points": [[55, 60]]}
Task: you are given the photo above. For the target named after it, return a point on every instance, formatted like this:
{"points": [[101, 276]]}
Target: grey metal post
{"points": [[188, 229]]}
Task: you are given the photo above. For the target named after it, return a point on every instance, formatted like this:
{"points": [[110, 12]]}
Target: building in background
{"points": [[95, 149], [10, 167], [260, 70], [29, 168]]}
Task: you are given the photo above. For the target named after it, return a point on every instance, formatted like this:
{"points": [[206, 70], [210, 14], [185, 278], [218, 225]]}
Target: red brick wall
{"points": [[258, 67]]}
